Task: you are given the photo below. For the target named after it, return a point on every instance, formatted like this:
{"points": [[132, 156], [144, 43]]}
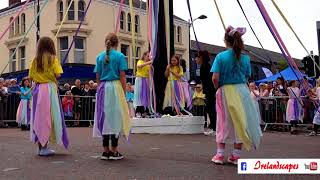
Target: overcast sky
{"points": [[302, 14]]}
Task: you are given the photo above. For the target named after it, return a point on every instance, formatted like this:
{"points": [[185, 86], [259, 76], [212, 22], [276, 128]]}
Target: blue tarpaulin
{"points": [[288, 74]]}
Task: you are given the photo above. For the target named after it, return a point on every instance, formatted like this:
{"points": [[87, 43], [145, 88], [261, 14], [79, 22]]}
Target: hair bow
{"points": [[231, 30]]}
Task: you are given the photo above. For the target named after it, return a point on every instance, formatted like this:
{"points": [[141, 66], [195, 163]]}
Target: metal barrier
{"points": [[273, 112], [82, 108]]}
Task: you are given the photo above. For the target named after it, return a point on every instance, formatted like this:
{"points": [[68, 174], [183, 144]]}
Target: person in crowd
{"points": [[203, 59], [279, 91], [316, 99], [66, 87], [6, 84], [3, 103], [23, 112], [174, 95], [192, 86], [141, 100], [130, 100], [199, 103], [47, 120], [237, 117], [67, 105], [88, 108], [294, 112], [270, 86], [95, 86], [185, 85], [77, 92], [263, 90], [255, 95], [112, 113], [91, 83], [14, 88], [309, 109]]}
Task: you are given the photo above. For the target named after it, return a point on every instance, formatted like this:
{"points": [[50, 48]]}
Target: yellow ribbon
{"points": [[295, 34], [221, 19], [64, 19], [134, 49]]}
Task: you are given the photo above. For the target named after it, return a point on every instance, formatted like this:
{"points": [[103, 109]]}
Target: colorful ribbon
{"points": [[295, 34], [217, 7], [279, 41], [118, 17], [77, 32], [17, 15], [64, 19], [25, 35]]}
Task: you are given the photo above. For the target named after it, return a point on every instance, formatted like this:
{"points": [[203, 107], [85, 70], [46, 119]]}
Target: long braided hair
{"points": [[111, 40]]}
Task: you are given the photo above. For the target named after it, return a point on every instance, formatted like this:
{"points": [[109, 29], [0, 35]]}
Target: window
{"points": [[81, 7], [64, 45], [60, 11], [175, 33], [129, 22], [11, 33], [22, 58], [23, 23], [136, 24], [137, 55], [71, 11], [125, 51], [122, 20], [179, 34], [79, 50], [17, 26], [13, 60]]}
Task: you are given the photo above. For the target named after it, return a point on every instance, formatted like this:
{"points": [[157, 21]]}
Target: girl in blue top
{"points": [[111, 113], [237, 117], [23, 112]]}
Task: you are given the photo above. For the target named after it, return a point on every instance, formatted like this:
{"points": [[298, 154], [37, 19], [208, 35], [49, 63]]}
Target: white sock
{"points": [[220, 152], [236, 152]]}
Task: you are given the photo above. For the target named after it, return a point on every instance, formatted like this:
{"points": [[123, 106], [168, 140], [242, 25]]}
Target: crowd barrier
{"points": [[272, 109]]}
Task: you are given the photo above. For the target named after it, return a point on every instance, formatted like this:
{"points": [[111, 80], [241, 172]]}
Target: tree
{"points": [[282, 64]]}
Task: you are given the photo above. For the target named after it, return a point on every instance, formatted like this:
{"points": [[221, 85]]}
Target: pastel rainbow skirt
{"points": [[237, 116], [111, 111], [23, 112], [174, 95], [47, 119], [141, 92]]}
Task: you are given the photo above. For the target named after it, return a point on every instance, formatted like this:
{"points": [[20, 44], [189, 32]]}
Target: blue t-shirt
{"points": [[129, 96], [25, 90], [110, 71], [231, 70]]}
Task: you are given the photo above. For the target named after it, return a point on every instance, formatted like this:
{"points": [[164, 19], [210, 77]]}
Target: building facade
{"points": [[100, 20]]}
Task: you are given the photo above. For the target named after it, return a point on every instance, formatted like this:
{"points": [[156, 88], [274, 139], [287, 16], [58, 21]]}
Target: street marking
{"points": [[10, 169]]}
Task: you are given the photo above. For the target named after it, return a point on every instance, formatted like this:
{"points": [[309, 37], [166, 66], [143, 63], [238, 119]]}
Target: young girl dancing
{"points": [[174, 95], [47, 119], [141, 99], [237, 117], [111, 114], [23, 112]]}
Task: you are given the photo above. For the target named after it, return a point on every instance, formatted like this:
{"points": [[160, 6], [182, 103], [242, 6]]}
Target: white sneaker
{"points": [[46, 152], [210, 132]]}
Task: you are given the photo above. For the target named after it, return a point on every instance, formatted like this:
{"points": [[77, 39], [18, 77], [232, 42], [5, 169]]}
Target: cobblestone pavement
{"points": [[149, 157]]}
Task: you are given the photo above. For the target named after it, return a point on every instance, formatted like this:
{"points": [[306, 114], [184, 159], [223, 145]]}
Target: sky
{"points": [[302, 15]]}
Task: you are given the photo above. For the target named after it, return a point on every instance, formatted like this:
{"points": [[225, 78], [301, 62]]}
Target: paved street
{"points": [[146, 157]]}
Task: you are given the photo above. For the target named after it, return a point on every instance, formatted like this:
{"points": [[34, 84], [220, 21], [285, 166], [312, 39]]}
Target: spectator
{"points": [[91, 84], [88, 106], [256, 97], [66, 88], [77, 92], [95, 86], [67, 105], [280, 90], [263, 89], [203, 59], [198, 102], [87, 91], [129, 98], [6, 84], [14, 88], [3, 103]]}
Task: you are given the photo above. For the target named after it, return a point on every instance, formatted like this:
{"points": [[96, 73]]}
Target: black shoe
{"points": [[105, 156], [115, 156]]}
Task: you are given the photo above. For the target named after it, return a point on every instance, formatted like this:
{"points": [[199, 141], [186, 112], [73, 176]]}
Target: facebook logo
{"points": [[243, 166]]}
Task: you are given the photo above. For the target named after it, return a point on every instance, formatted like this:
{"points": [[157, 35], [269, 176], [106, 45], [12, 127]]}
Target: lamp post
{"points": [[190, 25]]}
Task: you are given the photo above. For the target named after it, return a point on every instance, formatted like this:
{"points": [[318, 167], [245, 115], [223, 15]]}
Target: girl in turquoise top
{"points": [[111, 114], [23, 112], [237, 118]]}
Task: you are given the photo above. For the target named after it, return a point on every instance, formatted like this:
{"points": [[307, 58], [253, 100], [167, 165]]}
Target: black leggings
{"points": [[114, 140], [315, 127]]}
